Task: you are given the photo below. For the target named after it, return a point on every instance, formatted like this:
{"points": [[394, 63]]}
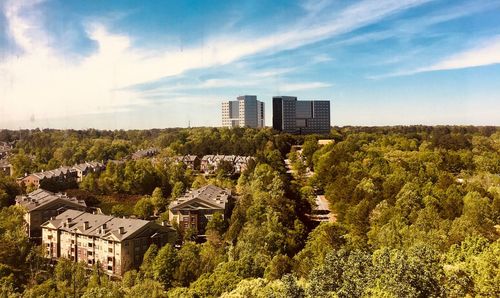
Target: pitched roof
{"points": [[53, 173], [88, 165], [207, 157], [207, 197], [190, 158], [99, 225], [145, 153], [40, 197]]}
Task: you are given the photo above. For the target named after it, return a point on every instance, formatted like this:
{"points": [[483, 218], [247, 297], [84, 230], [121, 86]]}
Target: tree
{"points": [[165, 265], [279, 266], [119, 210], [216, 227], [158, 200], [188, 269], [144, 208], [178, 189], [148, 261]]}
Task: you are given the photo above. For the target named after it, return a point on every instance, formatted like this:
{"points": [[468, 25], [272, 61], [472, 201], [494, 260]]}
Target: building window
{"points": [[110, 268], [110, 249], [89, 244]]}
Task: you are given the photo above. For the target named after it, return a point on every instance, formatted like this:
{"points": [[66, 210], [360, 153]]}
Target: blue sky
{"points": [[144, 64]]}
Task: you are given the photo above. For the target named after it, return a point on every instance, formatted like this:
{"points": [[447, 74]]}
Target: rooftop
{"points": [[96, 225], [215, 198], [41, 197], [88, 165]]}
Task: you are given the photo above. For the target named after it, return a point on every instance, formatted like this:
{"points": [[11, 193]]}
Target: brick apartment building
{"points": [[117, 244]]}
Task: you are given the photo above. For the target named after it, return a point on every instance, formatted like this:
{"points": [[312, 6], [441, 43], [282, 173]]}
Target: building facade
{"points": [[117, 244], [301, 116], [5, 167], [63, 177], [210, 163], [195, 208], [246, 111], [41, 205]]}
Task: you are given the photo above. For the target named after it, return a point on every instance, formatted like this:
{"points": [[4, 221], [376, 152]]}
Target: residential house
{"points": [[143, 153], [241, 163], [86, 168], [210, 163], [5, 149], [192, 162], [207, 163], [116, 244], [41, 205], [196, 207], [5, 167]]}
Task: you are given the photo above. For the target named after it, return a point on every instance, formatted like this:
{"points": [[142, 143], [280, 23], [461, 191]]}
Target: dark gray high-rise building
{"points": [[301, 116]]}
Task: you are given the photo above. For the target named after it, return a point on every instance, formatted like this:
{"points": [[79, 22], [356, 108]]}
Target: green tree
{"points": [[159, 201], [144, 208], [148, 261], [165, 265]]}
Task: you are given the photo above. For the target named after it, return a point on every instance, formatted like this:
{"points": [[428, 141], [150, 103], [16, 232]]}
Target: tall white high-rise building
{"points": [[246, 111]]}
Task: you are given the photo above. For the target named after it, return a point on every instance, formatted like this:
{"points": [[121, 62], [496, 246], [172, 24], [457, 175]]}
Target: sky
{"points": [[131, 64]]}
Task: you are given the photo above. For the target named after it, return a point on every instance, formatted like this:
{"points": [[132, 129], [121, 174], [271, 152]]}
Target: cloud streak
{"points": [[484, 54], [487, 53]]}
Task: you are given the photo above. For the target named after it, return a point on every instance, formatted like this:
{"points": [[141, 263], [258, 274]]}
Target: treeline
{"points": [[37, 150]]}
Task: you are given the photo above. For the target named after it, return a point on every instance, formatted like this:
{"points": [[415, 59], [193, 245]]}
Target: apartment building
{"points": [[246, 111], [196, 207], [41, 205], [57, 178], [117, 244], [301, 116], [86, 168]]}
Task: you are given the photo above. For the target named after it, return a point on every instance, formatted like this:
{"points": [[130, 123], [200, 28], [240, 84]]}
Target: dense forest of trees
{"points": [[417, 214]]}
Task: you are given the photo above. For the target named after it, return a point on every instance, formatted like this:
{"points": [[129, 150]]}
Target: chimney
{"points": [[68, 220], [122, 230], [85, 225], [104, 226]]}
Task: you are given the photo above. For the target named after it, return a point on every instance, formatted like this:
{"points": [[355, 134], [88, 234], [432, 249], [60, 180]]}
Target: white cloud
{"points": [[485, 53], [273, 72], [41, 83], [303, 86]]}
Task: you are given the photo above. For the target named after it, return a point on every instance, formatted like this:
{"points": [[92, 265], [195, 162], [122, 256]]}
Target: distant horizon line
{"points": [[266, 127]]}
